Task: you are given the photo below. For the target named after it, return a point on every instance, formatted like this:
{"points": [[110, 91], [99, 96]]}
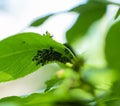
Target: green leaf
{"points": [[40, 21], [117, 14], [107, 2], [46, 99], [112, 54], [89, 13], [31, 100], [112, 46], [90, 5], [24, 53]]}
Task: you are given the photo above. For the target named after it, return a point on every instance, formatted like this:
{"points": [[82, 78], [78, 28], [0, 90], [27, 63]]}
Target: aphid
{"points": [[66, 51], [47, 55], [48, 34]]}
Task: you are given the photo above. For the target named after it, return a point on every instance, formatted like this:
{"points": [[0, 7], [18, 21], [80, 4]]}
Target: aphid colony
{"points": [[46, 55]]}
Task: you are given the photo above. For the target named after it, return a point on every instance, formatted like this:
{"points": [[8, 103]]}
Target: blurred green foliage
{"points": [[40, 21], [77, 83]]}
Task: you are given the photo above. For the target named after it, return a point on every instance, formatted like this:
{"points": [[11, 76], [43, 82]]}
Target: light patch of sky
{"points": [[20, 13], [117, 1]]}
